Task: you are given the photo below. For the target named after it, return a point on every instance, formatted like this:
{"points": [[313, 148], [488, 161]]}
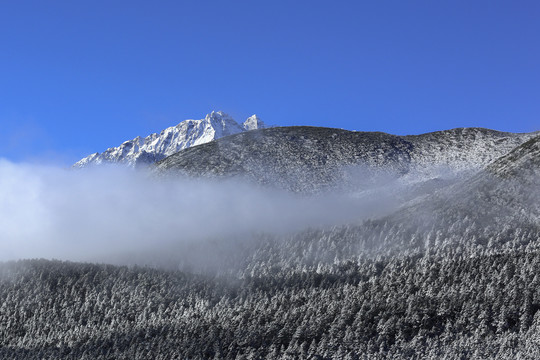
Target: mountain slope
{"points": [[156, 146], [463, 148], [495, 210], [452, 276], [311, 159], [523, 162], [295, 158]]}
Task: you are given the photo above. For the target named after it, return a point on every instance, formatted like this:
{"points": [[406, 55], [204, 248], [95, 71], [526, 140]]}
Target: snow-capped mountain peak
{"points": [[221, 124], [253, 122], [157, 146]]}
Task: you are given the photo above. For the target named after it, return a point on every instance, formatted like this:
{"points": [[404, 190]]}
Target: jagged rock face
{"points": [[253, 123], [157, 146], [311, 159]]}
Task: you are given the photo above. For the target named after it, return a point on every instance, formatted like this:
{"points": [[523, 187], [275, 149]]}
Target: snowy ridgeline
{"points": [[320, 154], [157, 146], [313, 159]]}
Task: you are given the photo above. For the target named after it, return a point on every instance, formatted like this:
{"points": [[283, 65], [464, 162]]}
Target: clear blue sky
{"points": [[79, 76]]}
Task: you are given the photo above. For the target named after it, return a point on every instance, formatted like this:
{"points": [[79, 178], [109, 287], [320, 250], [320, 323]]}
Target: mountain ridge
{"points": [[310, 159], [524, 160], [154, 147]]}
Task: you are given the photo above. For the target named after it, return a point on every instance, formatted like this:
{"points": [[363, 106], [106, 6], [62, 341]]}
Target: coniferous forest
{"points": [[453, 273], [424, 306]]}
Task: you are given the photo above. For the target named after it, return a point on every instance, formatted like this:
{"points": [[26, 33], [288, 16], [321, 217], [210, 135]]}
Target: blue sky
{"points": [[77, 77]]}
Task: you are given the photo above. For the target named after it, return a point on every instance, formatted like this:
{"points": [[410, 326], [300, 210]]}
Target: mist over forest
{"points": [[220, 251], [112, 213], [181, 180]]}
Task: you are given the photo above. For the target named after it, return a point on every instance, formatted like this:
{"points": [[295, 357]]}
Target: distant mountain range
{"points": [[154, 147]]}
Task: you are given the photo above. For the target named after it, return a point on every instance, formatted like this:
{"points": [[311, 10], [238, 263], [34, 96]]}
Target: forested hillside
{"points": [[461, 307], [451, 273]]}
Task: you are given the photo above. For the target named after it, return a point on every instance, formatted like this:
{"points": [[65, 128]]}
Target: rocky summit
{"points": [[154, 147]]}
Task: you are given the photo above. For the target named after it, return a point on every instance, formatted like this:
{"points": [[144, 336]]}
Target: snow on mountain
{"points": [[522, 163], [157, 146], [311, 159], [253, 123], [460, 149]]}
